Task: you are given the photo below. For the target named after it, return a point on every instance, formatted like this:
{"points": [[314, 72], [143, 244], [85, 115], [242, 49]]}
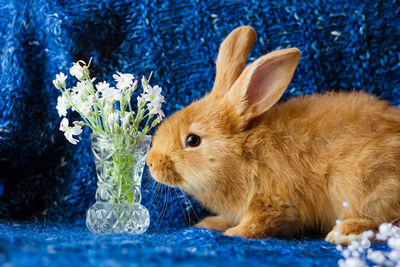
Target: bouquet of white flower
{"points": [[107, 109], [119, 143]]}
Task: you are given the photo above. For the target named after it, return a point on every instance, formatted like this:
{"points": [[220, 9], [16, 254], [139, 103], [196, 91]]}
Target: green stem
{"points": [[144, 132], [120, 174], [94, 106]]}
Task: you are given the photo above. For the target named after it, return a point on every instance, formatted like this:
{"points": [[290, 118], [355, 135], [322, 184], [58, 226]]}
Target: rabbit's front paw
{"points": [[335, 238], [235, 231], [349, 230], [246, 231], [213, 223]]}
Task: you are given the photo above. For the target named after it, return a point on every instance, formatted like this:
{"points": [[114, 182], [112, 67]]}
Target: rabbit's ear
{"points": [[263, 83], [232, 57]]}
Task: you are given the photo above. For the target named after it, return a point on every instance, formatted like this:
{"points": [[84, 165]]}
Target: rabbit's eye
{"points": [[192, 140]]}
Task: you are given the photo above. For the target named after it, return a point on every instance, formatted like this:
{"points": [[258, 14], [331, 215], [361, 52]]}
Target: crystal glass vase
{"points": [[119, 161]]}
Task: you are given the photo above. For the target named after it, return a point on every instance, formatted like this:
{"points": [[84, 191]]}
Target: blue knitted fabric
{"points": [[346, 45], [55, 245]]}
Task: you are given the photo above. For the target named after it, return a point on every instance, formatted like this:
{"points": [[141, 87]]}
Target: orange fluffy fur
{"points": [[286, 168]]}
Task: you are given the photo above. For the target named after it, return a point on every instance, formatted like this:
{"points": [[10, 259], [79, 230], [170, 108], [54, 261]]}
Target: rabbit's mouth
{"points": [[162, 169], [169, 179]]}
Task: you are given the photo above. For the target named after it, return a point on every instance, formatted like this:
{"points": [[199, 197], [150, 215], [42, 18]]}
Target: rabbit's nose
{"points": [[149, 160], [149, 163]]}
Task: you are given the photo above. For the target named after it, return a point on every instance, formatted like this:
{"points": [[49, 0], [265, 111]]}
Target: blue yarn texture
{"points": [[58, 245], [346, 45]]}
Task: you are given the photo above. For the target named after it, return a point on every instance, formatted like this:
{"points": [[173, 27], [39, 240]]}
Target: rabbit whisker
{"points": [[183, 210]]}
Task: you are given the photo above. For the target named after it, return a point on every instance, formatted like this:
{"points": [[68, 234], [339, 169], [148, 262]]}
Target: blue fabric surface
{"points": [[66, 245], [346, 45]]}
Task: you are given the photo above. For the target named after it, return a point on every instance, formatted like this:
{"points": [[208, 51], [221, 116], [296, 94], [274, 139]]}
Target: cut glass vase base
{"points": [[110, 218]]}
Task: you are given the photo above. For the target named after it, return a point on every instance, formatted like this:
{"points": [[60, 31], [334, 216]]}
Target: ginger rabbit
{"points": [[265, 167]]}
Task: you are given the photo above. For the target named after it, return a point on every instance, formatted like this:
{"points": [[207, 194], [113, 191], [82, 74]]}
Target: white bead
{"points": [[346, 253], [355, 244], [377, 257], [394, 256], [365, 244], [367, 234], [354, 262], [355, 254], [385, 229], [394, 243]]}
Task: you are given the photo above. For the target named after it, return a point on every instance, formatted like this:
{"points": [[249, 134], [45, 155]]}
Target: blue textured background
{"points": [[346, 45]]}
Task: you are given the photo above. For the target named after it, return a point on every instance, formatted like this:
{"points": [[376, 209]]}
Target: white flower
{"points": [[113, 118], [86, 110], [145, 82], [111, 94], [69, 132], [154, 93], [60, 80], [82, 87], [91, 99], [83, 104], [132, 88], [86, 106], [126, 119], [156, 121], [80, 72], [61, 106], [123, 80], [156, 99], [153, 96], [155, 108], [108, 107], [77, 71], [80, 95], [76, 99], [101, 86], [141, 100]]}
